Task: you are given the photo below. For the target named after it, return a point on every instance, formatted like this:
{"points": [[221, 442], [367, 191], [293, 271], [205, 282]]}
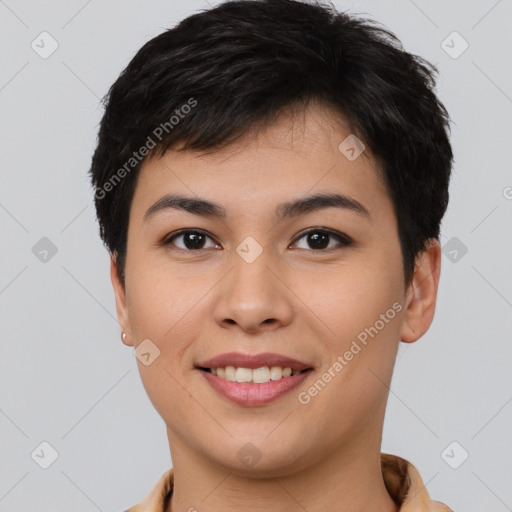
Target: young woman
{"points": [[270, 178]]}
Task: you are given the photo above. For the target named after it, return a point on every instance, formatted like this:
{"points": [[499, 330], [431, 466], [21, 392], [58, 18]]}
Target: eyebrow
{"points": [[296, 207]]}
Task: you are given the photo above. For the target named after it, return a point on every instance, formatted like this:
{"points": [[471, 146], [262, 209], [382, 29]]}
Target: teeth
{"points": [[230, 373], [256, 376], [243, 375]]}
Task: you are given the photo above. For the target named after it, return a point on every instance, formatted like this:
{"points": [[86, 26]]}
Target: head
{"points": [[312, 160]]}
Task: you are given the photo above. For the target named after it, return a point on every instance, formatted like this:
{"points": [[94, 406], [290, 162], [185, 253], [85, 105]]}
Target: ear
{"points": [[120, 296], [422, 293]]}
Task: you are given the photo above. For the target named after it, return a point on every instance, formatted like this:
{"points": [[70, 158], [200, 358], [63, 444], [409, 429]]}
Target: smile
{"points": [[255, 376], [241, 386]]}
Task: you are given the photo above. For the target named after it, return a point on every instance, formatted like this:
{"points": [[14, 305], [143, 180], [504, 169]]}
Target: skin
{"points": [[294, 299]]}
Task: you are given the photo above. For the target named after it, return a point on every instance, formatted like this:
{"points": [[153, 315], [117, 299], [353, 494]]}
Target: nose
{"points": [[253, 297]]}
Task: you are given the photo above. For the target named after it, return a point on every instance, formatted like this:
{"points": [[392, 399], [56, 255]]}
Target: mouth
{"points": [[260, 375], [255, 368], [253, 380], [248, 393]]}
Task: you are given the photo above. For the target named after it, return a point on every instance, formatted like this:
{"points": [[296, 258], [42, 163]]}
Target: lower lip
{"points": [[243, 393]]}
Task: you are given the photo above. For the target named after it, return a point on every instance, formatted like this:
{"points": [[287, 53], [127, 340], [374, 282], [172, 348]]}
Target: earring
{"points": [[123, 336]]}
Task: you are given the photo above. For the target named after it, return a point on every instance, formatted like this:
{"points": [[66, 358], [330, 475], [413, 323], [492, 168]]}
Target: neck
{"points": [[348, 479]]}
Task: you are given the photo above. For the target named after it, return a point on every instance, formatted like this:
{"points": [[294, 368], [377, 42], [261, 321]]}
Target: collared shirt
{"points": [[401, 478]]}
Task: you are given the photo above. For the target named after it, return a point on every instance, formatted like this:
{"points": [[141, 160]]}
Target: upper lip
{"points": [[239, 360]]}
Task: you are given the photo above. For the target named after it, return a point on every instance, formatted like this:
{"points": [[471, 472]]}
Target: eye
{"points": [[319, 239], [193, 240]]}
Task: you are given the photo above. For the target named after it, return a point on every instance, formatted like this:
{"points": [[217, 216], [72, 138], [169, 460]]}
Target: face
{"points": [[320, 282]]}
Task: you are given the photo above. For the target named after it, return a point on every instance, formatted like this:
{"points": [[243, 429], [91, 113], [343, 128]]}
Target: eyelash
{"points": [[342, 238]]}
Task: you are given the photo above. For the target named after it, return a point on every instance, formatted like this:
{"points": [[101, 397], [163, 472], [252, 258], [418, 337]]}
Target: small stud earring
{"points": [[123, 336]]}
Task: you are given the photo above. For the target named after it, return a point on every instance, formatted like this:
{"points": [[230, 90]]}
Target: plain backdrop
{"points": [[67, 381]]}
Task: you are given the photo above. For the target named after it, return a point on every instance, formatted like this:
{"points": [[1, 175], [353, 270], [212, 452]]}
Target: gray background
{"points": [[65, 376]]}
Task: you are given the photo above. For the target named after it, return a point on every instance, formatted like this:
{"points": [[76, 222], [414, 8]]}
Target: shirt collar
{"points": [[405, 486], [401, 478]]}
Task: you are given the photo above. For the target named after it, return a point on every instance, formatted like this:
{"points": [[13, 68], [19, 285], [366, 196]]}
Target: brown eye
{"points": [[319, 239], [191, 240]]}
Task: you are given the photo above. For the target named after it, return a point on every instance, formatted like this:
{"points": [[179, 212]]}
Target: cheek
{"points": [[360, 348], [351, 297], [159, 298], [361, 306], [163, 308]]}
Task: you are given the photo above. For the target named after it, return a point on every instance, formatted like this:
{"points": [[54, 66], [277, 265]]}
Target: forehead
{"points": [[297, 155]]}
